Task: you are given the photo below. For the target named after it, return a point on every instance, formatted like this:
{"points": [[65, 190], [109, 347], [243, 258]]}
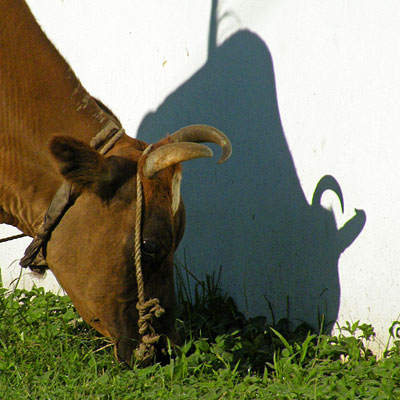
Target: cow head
{"points": [[91, 251]]}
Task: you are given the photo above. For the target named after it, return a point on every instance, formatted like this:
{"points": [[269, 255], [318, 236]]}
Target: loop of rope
{"points": [[147, 309], [112, 141], [106, 135]]}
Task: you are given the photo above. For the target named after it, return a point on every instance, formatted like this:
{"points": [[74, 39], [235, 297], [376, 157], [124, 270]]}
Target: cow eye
{"points": [[149, 247]]}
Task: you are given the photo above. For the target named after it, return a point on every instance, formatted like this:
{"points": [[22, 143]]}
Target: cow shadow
{"points": [[250, 215]]}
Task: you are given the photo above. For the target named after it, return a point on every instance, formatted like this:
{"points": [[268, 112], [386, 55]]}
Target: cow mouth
{"points": [[127, 352]]}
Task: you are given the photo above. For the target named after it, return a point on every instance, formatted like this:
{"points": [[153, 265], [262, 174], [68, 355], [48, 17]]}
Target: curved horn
{"points": [[327, 182], [204, 133], [173, 153]]}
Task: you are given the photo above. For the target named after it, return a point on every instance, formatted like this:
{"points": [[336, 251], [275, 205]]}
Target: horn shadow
{"points": [[250, 214]]}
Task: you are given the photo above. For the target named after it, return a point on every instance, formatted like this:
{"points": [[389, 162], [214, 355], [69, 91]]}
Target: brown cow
{"points": [[47, 120]]}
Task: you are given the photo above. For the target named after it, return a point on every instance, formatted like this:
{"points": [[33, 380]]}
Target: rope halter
{"points": [[145, 353]]}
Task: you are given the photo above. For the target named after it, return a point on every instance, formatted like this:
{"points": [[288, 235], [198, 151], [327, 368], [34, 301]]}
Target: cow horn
{"points": [[327, 182], [173, 153], [204, 133], [185, 147]]}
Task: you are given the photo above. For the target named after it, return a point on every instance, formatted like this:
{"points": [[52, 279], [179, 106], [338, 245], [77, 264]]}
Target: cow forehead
{"points": [[162, 191]]}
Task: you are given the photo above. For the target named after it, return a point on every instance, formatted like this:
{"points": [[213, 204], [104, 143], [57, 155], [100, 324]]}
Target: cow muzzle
{"points": [[126, 352]]}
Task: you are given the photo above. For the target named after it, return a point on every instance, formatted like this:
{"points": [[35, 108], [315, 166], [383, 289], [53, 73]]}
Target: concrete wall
{"points": [[305, 90]]}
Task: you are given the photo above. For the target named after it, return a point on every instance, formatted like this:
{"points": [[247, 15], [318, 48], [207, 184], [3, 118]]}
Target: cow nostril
{"points": [[149, 247]]}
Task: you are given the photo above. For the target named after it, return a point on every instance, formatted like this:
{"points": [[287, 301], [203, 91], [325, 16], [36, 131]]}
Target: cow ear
{"points": [[86, 168], [78, 162]]}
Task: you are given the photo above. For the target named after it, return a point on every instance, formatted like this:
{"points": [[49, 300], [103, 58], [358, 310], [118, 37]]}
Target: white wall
{"points": [[303, 89]]}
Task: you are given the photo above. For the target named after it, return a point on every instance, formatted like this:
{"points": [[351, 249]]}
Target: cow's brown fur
{"points": [[91, 250]]}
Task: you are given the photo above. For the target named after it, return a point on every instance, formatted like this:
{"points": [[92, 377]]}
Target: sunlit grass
{"points": [[48, 352]]}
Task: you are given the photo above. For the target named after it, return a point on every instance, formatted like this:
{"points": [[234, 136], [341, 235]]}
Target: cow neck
{"points": [[39, 97]]}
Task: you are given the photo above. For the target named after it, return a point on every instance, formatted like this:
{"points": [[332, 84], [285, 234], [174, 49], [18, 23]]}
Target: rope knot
{"points": [[146, 351], [147, 311]]}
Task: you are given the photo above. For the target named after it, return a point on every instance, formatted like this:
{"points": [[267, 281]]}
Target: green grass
{"points": [[48, 352]]}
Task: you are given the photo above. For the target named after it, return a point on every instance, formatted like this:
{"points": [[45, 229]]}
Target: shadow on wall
{"points": [[250, 214]]}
